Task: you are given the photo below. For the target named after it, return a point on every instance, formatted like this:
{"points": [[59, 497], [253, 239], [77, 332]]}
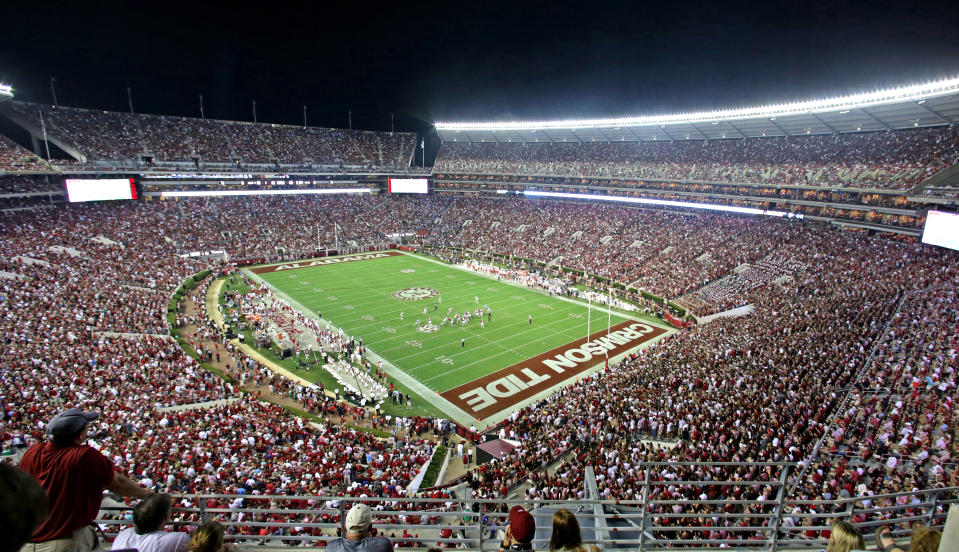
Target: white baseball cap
{"points": [[359, 519]]}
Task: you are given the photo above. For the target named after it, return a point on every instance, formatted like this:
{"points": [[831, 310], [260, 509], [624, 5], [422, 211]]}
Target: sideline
{"points": [[213, 302], [199, 406], [213, 311]]}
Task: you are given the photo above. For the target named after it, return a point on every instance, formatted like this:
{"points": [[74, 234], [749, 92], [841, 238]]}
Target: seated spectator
{"points": [[359, 523], [844, 538], [23, 506], [566, 534], [520, 531], [923, 539], [207, 538], [146, 535], [74, 476]]}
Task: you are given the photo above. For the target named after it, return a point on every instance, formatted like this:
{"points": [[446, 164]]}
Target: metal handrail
{"points": [[641, 529]]}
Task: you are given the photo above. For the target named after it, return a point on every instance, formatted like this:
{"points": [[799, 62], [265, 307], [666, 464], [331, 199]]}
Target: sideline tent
{"points": [[496, 448]]}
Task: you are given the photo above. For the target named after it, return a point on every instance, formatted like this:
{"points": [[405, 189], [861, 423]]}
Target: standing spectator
{"points": [[146, 535], [520, 531], [359, 523], [566, 534], [74, 476]]}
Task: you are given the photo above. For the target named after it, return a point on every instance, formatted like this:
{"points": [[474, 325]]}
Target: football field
{"points": [[520, 347]]}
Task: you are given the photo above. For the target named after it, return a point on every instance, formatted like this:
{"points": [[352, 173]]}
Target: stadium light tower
{"points": [[6, 92], [838, 104]]}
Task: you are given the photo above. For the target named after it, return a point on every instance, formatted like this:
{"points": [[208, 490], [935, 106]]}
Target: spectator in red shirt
{"points": [[74, 476]]}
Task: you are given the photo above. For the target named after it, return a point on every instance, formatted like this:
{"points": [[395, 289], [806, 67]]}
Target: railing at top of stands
{"points": [[770, 522]]}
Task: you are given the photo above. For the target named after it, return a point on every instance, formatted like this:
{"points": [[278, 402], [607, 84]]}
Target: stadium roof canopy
{"points": [[918, 105]]}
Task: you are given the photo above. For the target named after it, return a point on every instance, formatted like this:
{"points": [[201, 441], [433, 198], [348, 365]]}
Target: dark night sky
{"points": [[465, 60]]}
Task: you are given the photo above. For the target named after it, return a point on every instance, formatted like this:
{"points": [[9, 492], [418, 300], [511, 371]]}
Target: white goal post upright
{"points": [[609, 318], [609, 310], [589, 310]]}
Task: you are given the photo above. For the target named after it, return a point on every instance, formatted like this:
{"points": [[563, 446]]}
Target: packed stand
{"points": [[899, 424], [14, 185], [668, 254], [896, 159], [759, 388], [295, 227], [80, 326], [762, 388], [15, 159], [732, 291], [85, 298], [115, 136]]}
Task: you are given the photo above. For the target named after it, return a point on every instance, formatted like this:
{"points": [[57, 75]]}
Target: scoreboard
{"points": [[408, 186], [941, 229], [100, 189]]}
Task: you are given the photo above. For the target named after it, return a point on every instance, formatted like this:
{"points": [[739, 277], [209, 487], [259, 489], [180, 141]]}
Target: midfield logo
{"points": [[415, 294]]}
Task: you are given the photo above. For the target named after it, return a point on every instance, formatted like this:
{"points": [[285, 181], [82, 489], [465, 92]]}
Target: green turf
{"points": [[420, 406], [357, 296]]}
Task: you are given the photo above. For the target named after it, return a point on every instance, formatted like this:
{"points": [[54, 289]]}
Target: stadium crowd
{"points": [[895, 159], [114, 136], [762, 388], [83, 319], [83, 329], [294, 227], [668, 254], [15, 159], [27, 184]]}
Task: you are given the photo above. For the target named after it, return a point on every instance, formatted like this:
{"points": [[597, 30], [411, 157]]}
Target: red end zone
{"points": [[326, 261], [505, 388]]}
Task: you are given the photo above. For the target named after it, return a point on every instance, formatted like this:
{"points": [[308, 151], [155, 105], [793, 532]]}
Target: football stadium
{"points": [[732, 327]]}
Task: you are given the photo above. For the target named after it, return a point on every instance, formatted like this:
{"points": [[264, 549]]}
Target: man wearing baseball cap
{"points": [[520, 531], [74, 476], [359, 523]]}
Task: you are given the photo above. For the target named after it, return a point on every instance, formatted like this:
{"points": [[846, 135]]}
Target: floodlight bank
{"points": [[915, 92]]}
